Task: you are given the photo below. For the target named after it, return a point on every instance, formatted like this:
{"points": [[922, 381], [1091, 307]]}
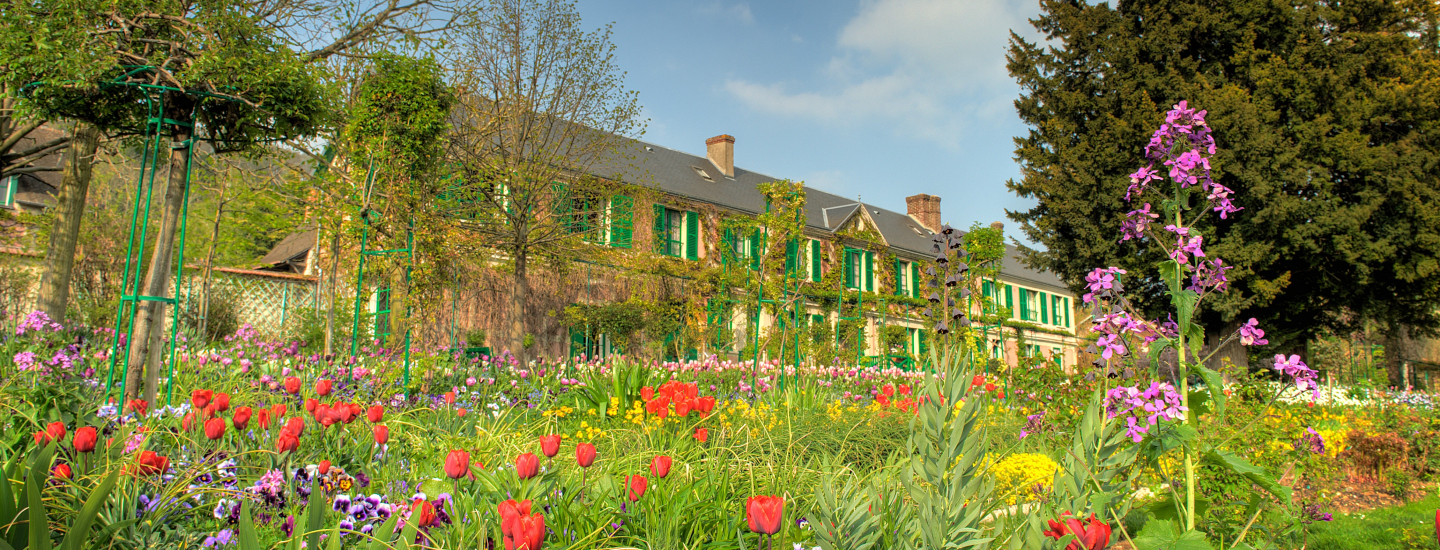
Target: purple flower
{"points": [[1297, 370], [1111, 344], [1210, 276], [1251, 335], [1102, 281], [1136, 222], [1158, 402], [1310, 441], [1140, 180]]}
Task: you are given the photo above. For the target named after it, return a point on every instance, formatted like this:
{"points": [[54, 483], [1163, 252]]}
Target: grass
{"points": [[1404, 527]]}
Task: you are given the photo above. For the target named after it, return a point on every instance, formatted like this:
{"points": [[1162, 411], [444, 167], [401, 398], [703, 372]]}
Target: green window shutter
{"points": [[870, 271], [1024, 304], [1009, 301], [792, 257], [815, 261], [1044, 311], [1067, 312], [914, 280], [622, 221], [692, 236], [658, 229], [987, 290], [849, 269], [727, 246], [755, 249], [899, 278]]}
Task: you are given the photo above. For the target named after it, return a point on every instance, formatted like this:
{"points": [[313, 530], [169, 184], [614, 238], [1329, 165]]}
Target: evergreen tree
{"points": [[1326, 116]]}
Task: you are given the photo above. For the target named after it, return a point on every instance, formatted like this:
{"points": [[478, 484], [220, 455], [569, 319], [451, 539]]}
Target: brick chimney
{"points": [[721, 150], [925, 209]]}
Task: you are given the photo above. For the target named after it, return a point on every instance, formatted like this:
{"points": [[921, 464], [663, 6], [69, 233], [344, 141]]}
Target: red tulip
{"points": [[292, 385], [187, 422], [637, 487], [152, 464], [550, 445], [449, 398], [323, 467], [512, 508], [702, 434], [978, 381], [278, 410], [85, 440], [382, 434], [647, 393], [323, 387], [263, 419], [522, 531], [705, 404], [209, 411], [457, 464], [1437, 525], [55, 431], [1091, 534], [295, 425], [422, 512], [287, 441], [660, 406], [888, 390], [763, 513], [584, 455], [376, 414], [904, 389], [683, 407], [311, 404], [222, 402], [138, 406], [989, 387], [200, 398], [527, 465], [460, 413], [61, 471], [215, 428], [241, 418], [660, 466], [322, 415]]}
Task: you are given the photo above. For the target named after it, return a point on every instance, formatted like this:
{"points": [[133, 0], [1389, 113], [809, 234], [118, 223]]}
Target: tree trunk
{"points": [[205, 285], [65, 233], [519, 293], [1397, 345], [1232, 350], [157, 277]]}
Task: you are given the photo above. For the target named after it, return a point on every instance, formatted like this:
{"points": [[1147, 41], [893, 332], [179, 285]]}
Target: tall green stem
{"points": [[1184, 373]]}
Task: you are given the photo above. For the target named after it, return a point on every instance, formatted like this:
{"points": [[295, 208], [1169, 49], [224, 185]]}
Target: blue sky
{"points": [[877, 98]]}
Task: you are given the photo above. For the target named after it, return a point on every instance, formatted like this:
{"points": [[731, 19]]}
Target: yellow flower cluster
{"points": [[614, 408], [1024, 476], [558, 412], [636, 413], [740, 409], [588, 432]]}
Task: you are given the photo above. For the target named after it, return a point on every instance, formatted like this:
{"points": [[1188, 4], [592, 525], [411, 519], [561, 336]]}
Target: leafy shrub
{"points": [[1397, 482], [475, 338], [1372, 453]]}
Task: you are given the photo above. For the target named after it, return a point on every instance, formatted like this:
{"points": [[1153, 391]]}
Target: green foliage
{"points": [[475, 338], [1324, 113], [255, 88]]}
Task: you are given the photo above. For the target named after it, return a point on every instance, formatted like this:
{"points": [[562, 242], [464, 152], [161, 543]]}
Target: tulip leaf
{"points": [[246, 529], [384, 533], [38, 520], [79, 533], [316, 516], [407, 535]]}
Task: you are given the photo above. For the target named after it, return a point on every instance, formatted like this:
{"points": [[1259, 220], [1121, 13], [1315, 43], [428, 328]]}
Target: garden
{"points": [[252, 443]]}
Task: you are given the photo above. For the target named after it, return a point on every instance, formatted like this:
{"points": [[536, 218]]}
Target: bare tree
{"points": [[540, 133]]}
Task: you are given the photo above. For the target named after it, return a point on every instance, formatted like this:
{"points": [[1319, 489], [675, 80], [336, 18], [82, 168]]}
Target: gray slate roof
{"points": [[675, 172]]}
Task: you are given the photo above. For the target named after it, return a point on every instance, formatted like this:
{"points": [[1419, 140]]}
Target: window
{"points": [[8, 190], [860, 270], [620, 214], [814, 260], [1058, 356], [1032, 306], [677, 233], [912, 339], [904, 278]]}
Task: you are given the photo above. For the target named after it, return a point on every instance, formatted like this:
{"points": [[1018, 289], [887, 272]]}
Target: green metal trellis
{"points": [[155, 121], [408, 252]]}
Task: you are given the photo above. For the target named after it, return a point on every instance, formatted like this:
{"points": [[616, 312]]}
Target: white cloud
{"points": [[740, 11], [929, 68]]}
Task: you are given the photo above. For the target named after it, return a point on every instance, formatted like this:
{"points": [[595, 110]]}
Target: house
{"points": [[875, 255], [697, 193]]}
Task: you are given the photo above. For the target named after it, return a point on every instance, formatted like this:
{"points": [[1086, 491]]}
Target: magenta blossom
{"points": [[1295, 369], [1251, 335]]}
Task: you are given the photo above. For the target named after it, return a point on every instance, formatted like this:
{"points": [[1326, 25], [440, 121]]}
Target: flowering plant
{"points": [[1179, 153]]}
